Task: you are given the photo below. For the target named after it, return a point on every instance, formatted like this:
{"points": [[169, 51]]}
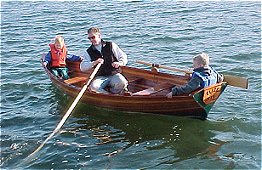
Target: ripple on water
{"points": [[165, 32]]}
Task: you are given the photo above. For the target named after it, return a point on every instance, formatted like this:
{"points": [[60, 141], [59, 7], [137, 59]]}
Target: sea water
{"points": [[163, 32]]}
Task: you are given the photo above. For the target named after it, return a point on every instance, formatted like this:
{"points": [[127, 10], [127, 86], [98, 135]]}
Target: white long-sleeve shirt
{"points": [[121, 57]]}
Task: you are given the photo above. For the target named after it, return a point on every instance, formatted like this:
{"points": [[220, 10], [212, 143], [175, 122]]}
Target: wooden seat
{"points": [[144, 92], [152, 90], [75, 80]]}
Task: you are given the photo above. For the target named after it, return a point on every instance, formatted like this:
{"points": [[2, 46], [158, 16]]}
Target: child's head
{"points": [[59, 42], [200, 60]]}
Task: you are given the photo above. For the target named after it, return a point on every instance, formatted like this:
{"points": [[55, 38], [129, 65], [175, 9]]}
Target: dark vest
{"points": [[208, 79], [106, 69]]}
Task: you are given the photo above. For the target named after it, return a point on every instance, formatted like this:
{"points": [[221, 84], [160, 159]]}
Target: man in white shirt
{"points": [[111, 57]]}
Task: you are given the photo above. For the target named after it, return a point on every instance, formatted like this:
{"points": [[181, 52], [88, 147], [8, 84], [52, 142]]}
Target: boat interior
{"points": [[140, 82]]}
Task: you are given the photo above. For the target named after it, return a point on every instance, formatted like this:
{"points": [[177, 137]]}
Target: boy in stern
{"points": [[203, 76], [56, 58]]}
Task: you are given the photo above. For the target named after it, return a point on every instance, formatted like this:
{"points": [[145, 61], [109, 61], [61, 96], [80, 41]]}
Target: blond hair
{"points": [[201, 59], [59, 39]]}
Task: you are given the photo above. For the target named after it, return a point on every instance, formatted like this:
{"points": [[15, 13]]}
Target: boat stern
{"points": [[207, 97]]}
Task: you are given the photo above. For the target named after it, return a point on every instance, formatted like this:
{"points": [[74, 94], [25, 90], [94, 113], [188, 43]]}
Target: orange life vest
{"points": [[58, 56]]}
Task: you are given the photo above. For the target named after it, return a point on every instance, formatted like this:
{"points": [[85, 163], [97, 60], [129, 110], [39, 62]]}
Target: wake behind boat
{"points": [[148, 90]]}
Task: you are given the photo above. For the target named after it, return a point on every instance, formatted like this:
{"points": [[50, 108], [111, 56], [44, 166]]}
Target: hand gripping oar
{"points": [[231, 80], [61, 123]]}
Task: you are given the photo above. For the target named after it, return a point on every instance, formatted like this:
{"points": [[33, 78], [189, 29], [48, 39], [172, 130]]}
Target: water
{"points": [[163, 32]]}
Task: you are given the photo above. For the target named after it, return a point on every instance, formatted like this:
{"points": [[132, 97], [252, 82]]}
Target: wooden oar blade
{"points": [[236, 81], [69, 111]]}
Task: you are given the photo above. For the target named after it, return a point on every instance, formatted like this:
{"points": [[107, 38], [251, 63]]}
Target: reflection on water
{"points": [[122, 133], [97, 135]]}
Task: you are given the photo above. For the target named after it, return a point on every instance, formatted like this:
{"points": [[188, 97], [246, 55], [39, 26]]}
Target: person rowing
{"points": [[111, 57]]}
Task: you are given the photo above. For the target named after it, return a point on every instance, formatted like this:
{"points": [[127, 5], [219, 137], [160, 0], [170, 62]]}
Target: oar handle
{"points": [[162, 66], [93, 73]]}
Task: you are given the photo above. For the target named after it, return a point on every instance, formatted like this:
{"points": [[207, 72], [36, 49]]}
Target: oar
{"points": [[61, 123], [165, 67], [231, 80]]}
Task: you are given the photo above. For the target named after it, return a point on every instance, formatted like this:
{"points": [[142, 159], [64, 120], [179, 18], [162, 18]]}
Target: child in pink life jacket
{"points": [[56, 58]]}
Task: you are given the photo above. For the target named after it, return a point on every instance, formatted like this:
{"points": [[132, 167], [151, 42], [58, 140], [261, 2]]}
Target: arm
{"points": [[220, 78], [72, 57], [192, 85], [119, 54], [87, 64], [47, 58]]}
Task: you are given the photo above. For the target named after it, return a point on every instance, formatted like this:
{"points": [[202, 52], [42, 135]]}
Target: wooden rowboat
{"points": [[148, 92]]}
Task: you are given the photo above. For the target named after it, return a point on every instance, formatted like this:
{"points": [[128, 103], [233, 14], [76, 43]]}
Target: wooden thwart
{"points": [[144, 92], [75, 80], [152, 90]]}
